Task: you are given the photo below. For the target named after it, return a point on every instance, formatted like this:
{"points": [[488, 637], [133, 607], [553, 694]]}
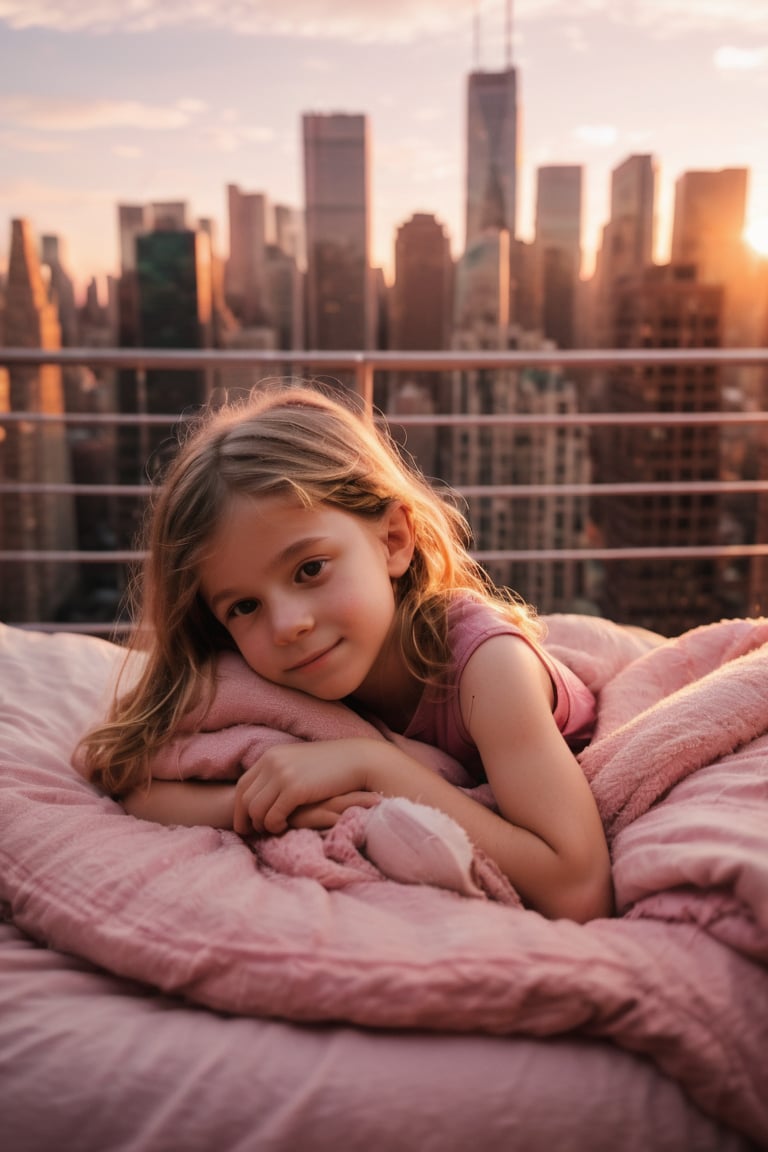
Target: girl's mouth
{"points": [[315, 658]]}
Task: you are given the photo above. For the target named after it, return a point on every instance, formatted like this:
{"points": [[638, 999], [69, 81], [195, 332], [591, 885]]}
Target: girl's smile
{"points": [[315, 661], [307, 593]]}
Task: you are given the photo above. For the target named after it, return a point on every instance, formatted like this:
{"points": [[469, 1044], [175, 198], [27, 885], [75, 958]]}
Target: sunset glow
{"points": [[103, 103], [756, 235]]}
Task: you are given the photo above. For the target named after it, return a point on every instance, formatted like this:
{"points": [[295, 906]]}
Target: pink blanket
{"points": [[313, 931]]}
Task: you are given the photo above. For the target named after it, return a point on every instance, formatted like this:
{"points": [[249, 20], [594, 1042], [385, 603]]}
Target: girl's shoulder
{"points": [[470, 623]]}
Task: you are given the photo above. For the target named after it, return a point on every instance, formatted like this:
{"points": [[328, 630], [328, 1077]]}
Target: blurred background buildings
{"points": [[290, 277]]}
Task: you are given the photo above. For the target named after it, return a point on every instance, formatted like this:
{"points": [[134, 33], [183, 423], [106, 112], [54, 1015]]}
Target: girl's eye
{"points": [[310, 569], [243, 608]]}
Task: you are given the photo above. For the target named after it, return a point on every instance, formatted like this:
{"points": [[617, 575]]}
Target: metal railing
{"points": [[363, 367]]}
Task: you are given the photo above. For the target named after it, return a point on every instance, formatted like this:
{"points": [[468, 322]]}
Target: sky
{"points": [[110, 101]]}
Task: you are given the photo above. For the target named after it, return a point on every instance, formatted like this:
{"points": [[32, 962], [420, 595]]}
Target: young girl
{"points": [[291, 529]]}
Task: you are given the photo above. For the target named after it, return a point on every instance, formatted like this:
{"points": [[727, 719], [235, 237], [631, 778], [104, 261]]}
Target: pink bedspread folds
{"points": [[679, 766]]}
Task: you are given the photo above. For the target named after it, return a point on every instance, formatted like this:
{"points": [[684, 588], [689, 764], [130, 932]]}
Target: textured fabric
{"points": [[678, 978], [90, 1062], [437, 720]]}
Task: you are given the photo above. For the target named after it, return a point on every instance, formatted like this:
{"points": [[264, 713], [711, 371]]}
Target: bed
{"points": [[382, 988]]}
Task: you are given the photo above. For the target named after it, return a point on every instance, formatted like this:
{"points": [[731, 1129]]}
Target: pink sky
{"points": [[103, 101]]}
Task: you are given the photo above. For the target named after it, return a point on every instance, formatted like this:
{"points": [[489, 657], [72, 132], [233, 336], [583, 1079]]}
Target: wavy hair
{"points": [[293, 439]]}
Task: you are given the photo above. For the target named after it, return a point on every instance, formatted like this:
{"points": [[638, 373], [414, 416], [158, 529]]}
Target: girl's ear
{"points": [[398, 536]]}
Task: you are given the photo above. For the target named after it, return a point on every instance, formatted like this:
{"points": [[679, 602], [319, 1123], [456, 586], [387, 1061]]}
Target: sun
{"points": [[756, 235]]}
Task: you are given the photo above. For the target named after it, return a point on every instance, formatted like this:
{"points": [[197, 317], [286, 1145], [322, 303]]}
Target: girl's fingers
{"points": [[326, 813]]}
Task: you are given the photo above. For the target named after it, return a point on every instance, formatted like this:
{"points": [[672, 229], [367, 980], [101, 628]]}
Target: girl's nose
{"points": [[290, 619]]}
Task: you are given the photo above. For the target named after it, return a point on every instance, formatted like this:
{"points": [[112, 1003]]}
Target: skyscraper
{"points": [[290, 233], [421, 293], [707, 231], [61, 292], [420, 320], [708, 222], [558, 249], [337, 200], [481, 302], [175, 311], [169, 215], [245, 278], [632, 221], [31, 452], [492, 153], [557, 458], [628, 239], [62, 289], [132, 221], [165, 303], [664, 307]]}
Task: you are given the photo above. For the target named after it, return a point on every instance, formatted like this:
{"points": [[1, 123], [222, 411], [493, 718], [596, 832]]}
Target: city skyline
{"points": [[178, 107]]}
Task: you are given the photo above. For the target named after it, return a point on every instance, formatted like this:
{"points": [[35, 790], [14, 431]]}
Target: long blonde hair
{"points": [[292, 439]]}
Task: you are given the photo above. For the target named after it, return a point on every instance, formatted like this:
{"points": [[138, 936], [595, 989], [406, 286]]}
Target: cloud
{"points": [[728, 59], [668, 19], [192, 105], [428, 114], [46, 114], [37, 196], [675, 17], [227, 134], [395, 21], [23, 142], [574, 37], [127, 152], [317, 19], [596, 135]]}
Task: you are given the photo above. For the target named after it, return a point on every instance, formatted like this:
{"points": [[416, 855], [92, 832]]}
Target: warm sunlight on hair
{"points": [[756, 235]]}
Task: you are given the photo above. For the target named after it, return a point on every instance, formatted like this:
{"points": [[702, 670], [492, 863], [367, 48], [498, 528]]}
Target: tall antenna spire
{"points": [[476, 36], [508, 53]]}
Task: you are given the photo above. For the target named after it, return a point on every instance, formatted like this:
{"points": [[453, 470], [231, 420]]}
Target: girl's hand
{"points": [[304, 784], [324, 815]]}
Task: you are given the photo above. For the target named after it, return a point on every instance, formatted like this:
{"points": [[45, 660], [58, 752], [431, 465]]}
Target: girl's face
{"points": [[307, 595]]}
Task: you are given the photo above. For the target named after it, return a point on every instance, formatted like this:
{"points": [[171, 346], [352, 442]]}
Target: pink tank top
{"points": [[437, 719]]}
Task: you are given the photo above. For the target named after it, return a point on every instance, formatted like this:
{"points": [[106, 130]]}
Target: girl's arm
{"points": [[548, 839], [192, 802], [555, 850], [186, 802]]}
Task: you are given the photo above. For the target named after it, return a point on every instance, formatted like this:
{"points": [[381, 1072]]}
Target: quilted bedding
{"points": [[394, 927]]}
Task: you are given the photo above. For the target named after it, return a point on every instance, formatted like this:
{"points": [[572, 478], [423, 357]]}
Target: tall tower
{"points": [[627, 242], [337, 201], [175, 311], [708, 222], [707, 228], [62, 289], [166, 296], [421, 294], [421, 299], [665, 307], [558, 249], [132, 222], [34, 453], [245, 278], [492, 145], [633, 215], [290, 233]]}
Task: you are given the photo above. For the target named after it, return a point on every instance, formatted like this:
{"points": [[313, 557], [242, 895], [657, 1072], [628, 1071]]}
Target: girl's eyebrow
{"points": [[295, 548]]}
